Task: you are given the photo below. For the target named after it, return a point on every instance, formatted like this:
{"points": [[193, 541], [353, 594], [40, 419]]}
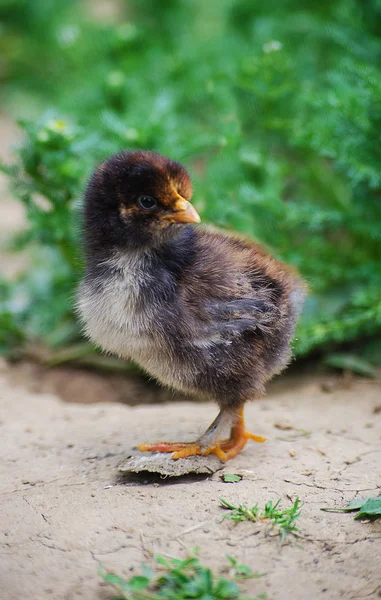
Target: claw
{"points": [[164, 446], [224, 449]]}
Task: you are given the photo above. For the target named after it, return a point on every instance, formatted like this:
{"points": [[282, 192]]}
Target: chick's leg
{"points": [[238, 437], [185, 449], [210, 442]]}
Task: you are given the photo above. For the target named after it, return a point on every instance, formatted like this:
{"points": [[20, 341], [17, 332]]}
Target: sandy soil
{"points": [[65, 508]]}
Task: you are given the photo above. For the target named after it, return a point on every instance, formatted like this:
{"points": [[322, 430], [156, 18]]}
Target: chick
{"points": [[203, 311]]}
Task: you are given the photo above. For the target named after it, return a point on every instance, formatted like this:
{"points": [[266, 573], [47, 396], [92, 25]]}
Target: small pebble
{"points": [[328, 386], [285, 425]]}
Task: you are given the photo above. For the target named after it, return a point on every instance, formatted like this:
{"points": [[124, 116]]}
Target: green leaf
{"points": [[352, 506], [226, 504], [231, 478], [356, 503], [139, 582], [368, 507], [226, 589], [350, 362], [371, 508], [242, 572], [120, 584], [372, 351]]}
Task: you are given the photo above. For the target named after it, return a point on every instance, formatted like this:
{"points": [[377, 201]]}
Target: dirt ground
{"points": [[64, 507]]}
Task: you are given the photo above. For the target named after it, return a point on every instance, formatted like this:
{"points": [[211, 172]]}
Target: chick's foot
{"points": [[207, 444], [183, 449]]}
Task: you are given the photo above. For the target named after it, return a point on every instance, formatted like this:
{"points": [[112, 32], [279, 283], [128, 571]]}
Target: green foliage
{"points": [[179, 580], [282, 521], [274, 108], [11, 335], [241, 572], [366, 508], [350, 362]]}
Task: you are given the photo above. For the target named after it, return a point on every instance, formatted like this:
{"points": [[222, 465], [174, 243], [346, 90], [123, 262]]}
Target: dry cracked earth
{"points": [[65, 506]]}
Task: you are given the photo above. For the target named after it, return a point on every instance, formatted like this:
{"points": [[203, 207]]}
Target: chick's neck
{"points": [[172, 249]]}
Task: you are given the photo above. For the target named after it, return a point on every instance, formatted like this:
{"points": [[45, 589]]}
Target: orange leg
{"points": [[209, 443]]}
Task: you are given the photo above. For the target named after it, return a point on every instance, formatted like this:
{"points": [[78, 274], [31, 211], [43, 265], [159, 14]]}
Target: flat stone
{"points": [[163, 464]]}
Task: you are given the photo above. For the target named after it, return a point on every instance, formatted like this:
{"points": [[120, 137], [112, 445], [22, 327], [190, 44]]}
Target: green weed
{"points": [[366, 508], [176, 579], [282, 521], [275, 113]]}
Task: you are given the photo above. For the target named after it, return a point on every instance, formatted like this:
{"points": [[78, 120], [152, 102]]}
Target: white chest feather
{"points": [[116, 318], [111, 309]]}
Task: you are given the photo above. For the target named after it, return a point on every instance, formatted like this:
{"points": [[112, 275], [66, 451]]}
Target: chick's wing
{"points": [[228, 286], [233, 317]]}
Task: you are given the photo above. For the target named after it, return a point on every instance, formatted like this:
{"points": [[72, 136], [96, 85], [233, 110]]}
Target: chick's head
{"points": [[138, 199]]}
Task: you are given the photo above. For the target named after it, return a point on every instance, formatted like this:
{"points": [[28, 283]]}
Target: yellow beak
{"points": [[184, 212]]}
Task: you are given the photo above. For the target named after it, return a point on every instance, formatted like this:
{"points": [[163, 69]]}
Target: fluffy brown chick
{"points": [[203, 311]]}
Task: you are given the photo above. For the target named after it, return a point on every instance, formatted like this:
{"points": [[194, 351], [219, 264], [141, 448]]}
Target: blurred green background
{"points": [[275, 108]]}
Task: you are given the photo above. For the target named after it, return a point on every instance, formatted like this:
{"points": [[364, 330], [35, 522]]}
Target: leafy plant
{"points": [[275, 112], [350, 362], [179, 580], [282, 521], [366, 508], [241, 572]]}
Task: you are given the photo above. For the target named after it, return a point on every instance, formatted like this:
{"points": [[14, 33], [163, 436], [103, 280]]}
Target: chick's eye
{"points": [[147, 202]]}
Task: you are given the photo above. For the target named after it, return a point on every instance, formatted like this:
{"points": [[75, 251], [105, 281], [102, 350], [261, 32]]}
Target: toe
{"points": [[254, 437], [191, 450], [164, 446]]}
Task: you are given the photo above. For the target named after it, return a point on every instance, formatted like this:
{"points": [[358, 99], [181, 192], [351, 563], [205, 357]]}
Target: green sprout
{"points": [[282, 521], [241, 572], [177, 579]]}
